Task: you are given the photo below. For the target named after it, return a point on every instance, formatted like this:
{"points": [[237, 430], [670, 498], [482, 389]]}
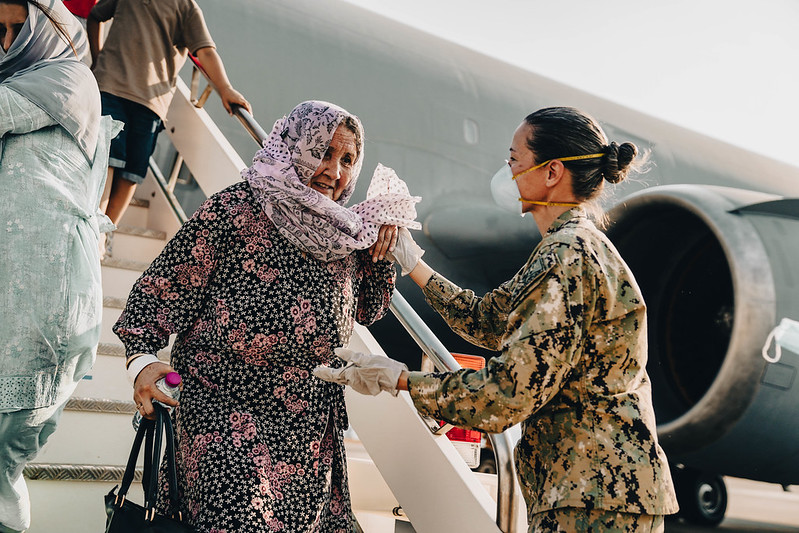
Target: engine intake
{"points": [[714, 265]]}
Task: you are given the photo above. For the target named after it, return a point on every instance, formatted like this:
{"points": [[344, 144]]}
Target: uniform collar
{"points": [[575, 213]]}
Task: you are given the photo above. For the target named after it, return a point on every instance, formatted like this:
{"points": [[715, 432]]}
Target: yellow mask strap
{"points": [[536, 202], [570, 158]]}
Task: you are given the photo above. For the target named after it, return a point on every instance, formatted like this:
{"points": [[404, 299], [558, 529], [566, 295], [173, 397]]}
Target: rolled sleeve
{"points": [[195, 31]]}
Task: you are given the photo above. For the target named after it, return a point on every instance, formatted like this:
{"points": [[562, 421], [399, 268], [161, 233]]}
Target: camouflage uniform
{"points": [[571, 520], [571, 326]]}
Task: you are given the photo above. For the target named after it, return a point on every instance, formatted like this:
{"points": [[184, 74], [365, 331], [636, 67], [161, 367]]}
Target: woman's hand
{"points": [[386, 241], [213, 67], [231, 97], [145, 391], [406, 252], [366, 373]]}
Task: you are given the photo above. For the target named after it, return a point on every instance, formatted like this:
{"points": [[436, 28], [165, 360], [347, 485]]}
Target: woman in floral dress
{"points": [[260, 286]]}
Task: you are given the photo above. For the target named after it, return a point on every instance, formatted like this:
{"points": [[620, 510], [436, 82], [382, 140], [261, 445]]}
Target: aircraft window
{"points": [[471, 131]]}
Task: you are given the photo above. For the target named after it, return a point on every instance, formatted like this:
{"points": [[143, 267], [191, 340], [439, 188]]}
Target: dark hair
{"points": [[351, 123], [565, 131], [57, 24]]}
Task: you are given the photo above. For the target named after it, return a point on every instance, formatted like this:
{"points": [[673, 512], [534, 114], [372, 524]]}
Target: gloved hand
{"points": [[366, 373], [406, 252]]}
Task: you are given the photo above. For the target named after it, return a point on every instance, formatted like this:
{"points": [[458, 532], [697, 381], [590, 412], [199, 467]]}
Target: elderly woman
{"points": [[260, 286], [53, 154]]}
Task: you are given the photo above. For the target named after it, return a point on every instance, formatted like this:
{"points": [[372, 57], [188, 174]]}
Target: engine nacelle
{"points": [[718, 268]]}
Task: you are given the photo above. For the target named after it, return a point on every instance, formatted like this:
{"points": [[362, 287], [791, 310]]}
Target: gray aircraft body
{"points": [[711, 231]]}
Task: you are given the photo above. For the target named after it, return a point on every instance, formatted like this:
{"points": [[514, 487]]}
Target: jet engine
{"points": [[718, 268]]}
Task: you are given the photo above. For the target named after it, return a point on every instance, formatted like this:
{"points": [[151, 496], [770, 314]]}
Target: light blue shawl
{"points": [[41, 66]]}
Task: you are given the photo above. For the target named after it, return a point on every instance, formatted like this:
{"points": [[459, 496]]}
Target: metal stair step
{"points": [[114, 302], [139, 231], [136, 244], [137, 213], [84, 485], [77, 490], [125, 264], [69, 498], [90, 437], [99, 405], [76, 472], [119, 275]]}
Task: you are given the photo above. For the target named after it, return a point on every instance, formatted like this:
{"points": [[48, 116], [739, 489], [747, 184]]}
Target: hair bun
{"points": [[627, 152], [617, 161]]}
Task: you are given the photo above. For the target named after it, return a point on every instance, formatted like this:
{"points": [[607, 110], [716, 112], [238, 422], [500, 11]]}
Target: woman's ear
{"points": [[555, 172]]}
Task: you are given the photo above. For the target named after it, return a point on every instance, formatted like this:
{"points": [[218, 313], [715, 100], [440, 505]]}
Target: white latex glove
{"points": [[406, 252], [366, 373]]}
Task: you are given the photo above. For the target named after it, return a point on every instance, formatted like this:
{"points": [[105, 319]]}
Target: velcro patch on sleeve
{"points": [[529, 278]]}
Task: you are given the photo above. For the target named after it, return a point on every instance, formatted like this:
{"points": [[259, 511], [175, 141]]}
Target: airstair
{"points": [[404, 476]]}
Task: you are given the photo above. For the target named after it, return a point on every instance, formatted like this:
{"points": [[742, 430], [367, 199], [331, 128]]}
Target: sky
{"points": [[725, 68]]}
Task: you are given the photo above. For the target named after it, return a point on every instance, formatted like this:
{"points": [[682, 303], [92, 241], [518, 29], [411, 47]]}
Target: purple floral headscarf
{"points": [[282, 169]]}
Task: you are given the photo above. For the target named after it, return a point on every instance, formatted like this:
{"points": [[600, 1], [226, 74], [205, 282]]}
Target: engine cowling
{"points": [[717, 267]]}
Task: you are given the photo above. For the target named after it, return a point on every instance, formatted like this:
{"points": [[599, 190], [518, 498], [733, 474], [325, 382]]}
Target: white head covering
{"points": [[282, 169], [41, 66]]}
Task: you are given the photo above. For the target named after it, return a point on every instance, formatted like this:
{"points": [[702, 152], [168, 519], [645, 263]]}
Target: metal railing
{"points": [[502, 443], [507, 500], [168, 189]]}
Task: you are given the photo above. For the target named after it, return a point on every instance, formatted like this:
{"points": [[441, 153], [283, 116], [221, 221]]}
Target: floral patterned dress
{"points": [[260, 442]]}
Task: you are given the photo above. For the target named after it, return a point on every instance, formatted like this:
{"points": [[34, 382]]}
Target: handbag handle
{"points": [[169, 457], [153, 453], [152, 432], [127, 478]]}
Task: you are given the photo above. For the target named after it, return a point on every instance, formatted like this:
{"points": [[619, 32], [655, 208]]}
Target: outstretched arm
{"points": [[421, 273], [213, 66], [481, 321]]}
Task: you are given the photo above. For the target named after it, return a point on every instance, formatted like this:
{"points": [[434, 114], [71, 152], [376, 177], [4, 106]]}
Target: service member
{"points": [[570, 327]]}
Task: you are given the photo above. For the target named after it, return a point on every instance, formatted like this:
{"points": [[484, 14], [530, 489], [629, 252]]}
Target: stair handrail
{"points": [[240, 112], [502, 443], [168, 192]]}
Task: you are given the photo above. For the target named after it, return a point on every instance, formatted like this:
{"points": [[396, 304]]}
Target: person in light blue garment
{"points": [[53, 159]]}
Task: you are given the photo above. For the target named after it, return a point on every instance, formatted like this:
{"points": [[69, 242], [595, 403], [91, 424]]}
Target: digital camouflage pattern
{"points": [[571, 520], [571, 326]]}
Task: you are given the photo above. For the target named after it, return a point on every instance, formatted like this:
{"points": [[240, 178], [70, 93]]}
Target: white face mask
{"points": [[505, 191], [505, 188], [785, 335]]}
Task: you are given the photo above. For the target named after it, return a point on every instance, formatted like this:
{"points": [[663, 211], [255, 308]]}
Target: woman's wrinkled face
{"points": [[12, 18], [335, 171]]}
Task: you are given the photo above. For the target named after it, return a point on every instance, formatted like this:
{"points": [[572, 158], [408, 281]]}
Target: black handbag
{"points": [[127, 517]]}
